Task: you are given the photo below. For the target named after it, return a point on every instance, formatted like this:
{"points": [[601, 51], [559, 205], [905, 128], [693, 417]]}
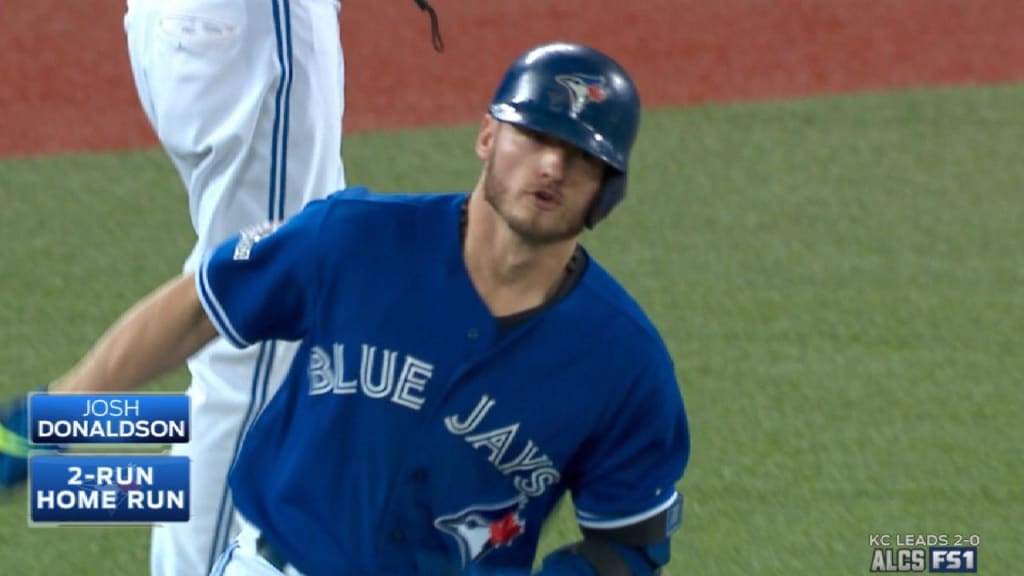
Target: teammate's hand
{"points": [[14, 444]]}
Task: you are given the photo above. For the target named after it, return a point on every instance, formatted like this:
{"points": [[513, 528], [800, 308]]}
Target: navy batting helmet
{"points": [[579, 95]]}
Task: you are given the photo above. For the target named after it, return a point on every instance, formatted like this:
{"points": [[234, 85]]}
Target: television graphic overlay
{"points": [[109, 418], [924, 553], [108, 489]]}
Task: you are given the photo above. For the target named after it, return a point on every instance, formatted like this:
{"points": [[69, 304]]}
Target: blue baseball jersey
{"points": [[414, 437]]}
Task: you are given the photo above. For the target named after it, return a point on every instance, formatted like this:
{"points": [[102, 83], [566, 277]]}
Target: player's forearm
{"points": [[155, 336]]}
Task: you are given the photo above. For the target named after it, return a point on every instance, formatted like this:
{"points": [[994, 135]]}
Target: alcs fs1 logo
{"points": [[935, 559]]}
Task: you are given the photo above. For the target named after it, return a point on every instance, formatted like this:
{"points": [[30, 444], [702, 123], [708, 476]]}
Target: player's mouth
{"points": [[546, 199]]}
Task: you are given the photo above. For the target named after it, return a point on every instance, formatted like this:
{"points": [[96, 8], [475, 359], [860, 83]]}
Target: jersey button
{"points": [[398, 536], [473, 334], [420, 475]]}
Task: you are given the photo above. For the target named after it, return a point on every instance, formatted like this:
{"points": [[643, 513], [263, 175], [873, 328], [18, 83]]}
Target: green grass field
{"points": [[841, 281]]}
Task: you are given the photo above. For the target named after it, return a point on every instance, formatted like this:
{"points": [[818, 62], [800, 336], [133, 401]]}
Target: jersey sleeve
{"points": [[261, 284], [634, 462]]}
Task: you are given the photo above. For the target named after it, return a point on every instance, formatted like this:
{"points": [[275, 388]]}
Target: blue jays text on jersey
{"points": [[411, 431]]}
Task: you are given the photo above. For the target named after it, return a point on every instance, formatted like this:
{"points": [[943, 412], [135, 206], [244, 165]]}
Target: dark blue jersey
{"points": [[411, 434]]}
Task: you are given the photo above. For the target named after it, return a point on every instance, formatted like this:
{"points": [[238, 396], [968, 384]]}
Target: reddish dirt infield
{"points": [[67, 87]]}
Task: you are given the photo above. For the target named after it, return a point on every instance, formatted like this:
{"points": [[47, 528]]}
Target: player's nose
{"points": [[553, 159]]}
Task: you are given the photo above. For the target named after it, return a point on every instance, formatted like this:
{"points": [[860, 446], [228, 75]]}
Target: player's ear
{"points": [[485, 137]]}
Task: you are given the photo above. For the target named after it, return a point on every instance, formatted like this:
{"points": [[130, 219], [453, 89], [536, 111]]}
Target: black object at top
{"points": [[435, 27]]}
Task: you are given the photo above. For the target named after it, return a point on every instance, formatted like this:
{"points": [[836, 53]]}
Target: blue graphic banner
{"points": [[109, 418], [104, 489]]}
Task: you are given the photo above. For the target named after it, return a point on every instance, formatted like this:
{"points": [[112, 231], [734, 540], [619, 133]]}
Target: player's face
{"points": [[541, 186]]}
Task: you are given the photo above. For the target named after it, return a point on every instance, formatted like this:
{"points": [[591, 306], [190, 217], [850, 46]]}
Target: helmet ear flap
{"points": [[611, 192]]}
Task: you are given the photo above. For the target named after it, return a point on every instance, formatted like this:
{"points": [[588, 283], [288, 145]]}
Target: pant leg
{"points": [[246, 98], [241, 558]]}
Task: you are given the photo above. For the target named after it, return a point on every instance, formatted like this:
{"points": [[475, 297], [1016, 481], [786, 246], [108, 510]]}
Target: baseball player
{"points": [[247, 99], [463, 361]]}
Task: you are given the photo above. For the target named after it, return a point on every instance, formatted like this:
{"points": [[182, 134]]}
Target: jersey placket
{"points": [[406, 523]]}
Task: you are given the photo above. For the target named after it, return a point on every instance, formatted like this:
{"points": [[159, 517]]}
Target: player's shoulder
{"points": [[361, 201], [358, 216], [615, 305]]}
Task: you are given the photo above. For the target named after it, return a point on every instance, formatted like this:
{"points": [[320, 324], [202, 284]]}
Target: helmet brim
{"points": [[571, 130]]}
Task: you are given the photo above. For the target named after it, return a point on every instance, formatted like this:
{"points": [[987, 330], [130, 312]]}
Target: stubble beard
{"points": [[530, 230]]}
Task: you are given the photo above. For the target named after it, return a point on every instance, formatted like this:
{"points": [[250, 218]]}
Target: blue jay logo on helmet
{"points": [[480, 529], [583, 89]]}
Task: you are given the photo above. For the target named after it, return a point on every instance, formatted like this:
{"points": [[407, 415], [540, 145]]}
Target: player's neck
{"points": [[509, 274]]}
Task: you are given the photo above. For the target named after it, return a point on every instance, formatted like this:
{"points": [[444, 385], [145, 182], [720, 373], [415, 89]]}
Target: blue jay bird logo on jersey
{"points": [[583, 89], [482, 528]]}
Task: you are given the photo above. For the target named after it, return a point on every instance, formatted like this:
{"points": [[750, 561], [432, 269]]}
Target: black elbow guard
{"points": [[640, 549], [598, 557]]}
